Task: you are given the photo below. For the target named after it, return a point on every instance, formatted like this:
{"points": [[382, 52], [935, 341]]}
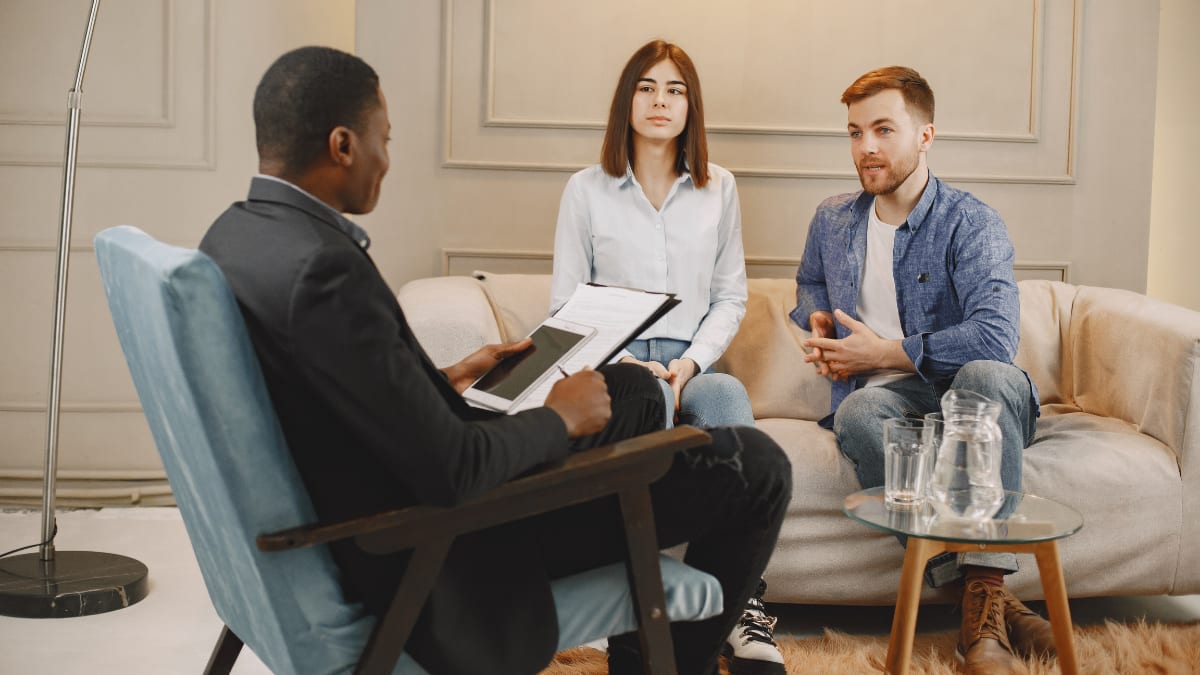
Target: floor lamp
{"points": [[51, 584]]}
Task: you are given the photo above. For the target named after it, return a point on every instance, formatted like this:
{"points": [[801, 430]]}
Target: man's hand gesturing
{"points": [[859, 352], [822, 327]]}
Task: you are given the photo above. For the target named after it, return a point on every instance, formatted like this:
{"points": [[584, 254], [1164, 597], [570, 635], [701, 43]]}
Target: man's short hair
{"points": [[303, 96], [918, 96]]}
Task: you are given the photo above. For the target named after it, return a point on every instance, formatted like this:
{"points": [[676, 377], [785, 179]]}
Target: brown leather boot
{"points": [[1030, 634], [983, 639]]}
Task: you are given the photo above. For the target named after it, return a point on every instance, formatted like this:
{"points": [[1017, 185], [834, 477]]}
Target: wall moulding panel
{"points": [[117, 442], [465, 261], [527, 83], [148, 94], [27, 247], [70, 407]]}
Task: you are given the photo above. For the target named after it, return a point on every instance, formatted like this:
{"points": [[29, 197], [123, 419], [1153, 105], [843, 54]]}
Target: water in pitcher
{"points": [[966, 479]]}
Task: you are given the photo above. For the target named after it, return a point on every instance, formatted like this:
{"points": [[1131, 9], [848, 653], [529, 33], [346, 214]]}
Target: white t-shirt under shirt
{"points": [[877, 296]]}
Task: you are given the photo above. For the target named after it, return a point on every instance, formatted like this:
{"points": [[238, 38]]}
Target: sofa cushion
{"points": [[450, 316], [1045, 322], [821, 555], [520, 301], [1128, 488], [767, 356]]}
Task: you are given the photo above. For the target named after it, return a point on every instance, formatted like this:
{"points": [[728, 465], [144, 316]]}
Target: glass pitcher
{"points": [[966, 476]]}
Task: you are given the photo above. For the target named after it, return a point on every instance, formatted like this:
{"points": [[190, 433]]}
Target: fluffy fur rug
{"points": [[1111, 649]]}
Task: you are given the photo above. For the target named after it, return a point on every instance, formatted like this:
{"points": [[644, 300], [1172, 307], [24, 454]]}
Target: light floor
{"points": [[174, 628]]}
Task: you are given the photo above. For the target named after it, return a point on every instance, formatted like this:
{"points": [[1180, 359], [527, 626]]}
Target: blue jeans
{"points": [[709, 399], [858, 426]]}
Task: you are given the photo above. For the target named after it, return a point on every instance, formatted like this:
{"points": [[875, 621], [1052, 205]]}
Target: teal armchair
{"points": [[253, 529]]}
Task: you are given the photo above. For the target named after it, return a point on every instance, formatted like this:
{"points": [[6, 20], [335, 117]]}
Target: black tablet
{"points": [[505, 385]]}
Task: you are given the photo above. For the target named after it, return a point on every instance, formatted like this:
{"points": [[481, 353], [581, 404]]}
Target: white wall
{"points": [[1046, 111], [1173, 274], [167, 142]]}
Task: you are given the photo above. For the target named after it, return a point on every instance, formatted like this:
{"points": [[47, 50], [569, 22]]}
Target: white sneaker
{"points": [[751, 644]]}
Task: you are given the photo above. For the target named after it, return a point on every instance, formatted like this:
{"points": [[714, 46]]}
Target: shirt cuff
{"points": [[703, 361], [914, 347]]}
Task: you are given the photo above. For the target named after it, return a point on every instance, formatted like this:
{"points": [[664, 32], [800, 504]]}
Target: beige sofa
{"points": [[1118, 439]]}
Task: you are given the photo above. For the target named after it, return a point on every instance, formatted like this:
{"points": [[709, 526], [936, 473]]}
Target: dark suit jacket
{"points": [[373, 425]]}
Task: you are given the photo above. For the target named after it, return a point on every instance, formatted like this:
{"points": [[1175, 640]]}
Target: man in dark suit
{"points": [[374, 425]]}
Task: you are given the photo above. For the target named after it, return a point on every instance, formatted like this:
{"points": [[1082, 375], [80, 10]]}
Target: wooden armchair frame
{"points": [[625, 469]]}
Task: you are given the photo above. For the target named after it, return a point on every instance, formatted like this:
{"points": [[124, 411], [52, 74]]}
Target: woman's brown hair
{"points": [[691, 145]]}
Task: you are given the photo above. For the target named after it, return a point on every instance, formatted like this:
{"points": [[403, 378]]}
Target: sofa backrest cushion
{"points": [[767, 356], [1045, 324], [451, 317], [520, 301]]}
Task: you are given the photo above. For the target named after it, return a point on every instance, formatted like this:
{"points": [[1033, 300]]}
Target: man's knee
{"points": [[630, 380], [638, 404], [762, 463], [859, 417], [983, 376]]}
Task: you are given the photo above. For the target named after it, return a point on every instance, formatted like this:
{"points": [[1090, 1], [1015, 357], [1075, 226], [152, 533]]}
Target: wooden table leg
{"points": [[1054, 588], [908, 599]]}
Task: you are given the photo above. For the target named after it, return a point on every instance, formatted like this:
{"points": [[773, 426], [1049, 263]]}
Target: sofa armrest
{"points": [[451, 317], [1136, 359]]}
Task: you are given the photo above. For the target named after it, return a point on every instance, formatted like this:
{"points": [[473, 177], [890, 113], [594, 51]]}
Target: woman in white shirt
{"points": [[656, 215]]}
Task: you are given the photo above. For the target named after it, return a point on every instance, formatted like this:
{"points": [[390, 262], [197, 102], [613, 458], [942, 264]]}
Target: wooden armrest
{"points": [[580, 477]]}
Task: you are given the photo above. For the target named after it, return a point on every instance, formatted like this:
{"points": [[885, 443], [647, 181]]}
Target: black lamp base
{"points": [[75, 583]]}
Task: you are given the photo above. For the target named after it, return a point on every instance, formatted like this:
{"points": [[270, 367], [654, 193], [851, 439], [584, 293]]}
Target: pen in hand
{"points": [[563, 371]]}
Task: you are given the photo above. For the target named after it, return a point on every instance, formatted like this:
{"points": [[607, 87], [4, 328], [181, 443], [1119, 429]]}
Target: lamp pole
{"points": [[60, 293], [68, 583]]}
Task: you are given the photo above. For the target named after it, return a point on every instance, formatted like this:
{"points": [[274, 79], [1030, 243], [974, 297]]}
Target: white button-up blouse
{"points": [[609, 233]]}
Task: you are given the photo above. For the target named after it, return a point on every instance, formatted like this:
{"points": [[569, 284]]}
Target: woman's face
{"points": [[660, 103]]}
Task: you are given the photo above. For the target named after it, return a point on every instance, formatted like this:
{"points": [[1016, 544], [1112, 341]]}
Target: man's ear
{"points": [[341, 146], [926, 137]]}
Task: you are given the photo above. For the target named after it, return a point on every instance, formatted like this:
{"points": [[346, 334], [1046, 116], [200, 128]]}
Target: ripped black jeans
{"points": [[726, 500]]}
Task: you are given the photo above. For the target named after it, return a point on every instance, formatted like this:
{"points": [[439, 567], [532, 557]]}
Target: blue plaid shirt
{"points": [[953, 265]]}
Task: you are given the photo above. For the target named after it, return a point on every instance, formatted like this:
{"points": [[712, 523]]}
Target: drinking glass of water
{"points": [[907, 456]]}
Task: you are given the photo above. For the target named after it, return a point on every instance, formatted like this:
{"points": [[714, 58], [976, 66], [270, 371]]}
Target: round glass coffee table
{"points": [[1024, 524]]}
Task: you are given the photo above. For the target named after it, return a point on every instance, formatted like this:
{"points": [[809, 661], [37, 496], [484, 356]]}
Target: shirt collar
{"points": [[915, 217], [630, 179], [924, 204], [348, 227]]}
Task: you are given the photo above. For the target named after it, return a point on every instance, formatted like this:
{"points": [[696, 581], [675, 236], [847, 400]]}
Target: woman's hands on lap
{"points": [[676, 373]]}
